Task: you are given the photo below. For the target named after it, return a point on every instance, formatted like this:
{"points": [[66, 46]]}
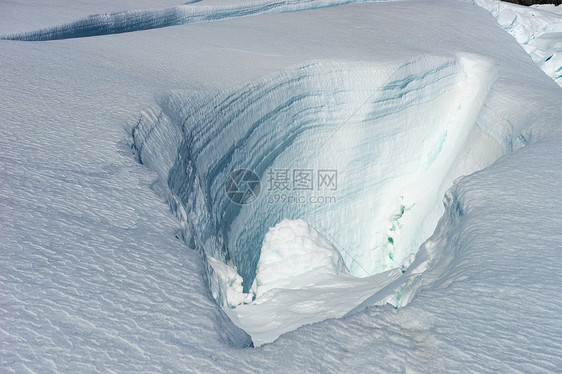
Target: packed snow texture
{"points": [[92, 278], [540, 36]]}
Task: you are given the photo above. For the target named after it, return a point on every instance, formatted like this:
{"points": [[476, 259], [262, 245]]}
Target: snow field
{"points": [[93, 278]]}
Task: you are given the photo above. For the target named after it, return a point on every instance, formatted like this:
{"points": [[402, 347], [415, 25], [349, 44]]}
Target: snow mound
{"points": [[302, 279], [292, 249]]}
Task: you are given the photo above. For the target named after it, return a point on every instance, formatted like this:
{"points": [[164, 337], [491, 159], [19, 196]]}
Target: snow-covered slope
{"points": [[93, 278]]}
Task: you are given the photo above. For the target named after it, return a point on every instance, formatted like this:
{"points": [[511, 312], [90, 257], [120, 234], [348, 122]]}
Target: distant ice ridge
{"points": [[146, 19], [539, 33], [398, 135]]}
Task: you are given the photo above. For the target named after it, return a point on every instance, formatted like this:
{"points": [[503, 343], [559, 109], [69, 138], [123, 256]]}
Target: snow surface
{"points": [[549, 7], [93, 278], [128, 21], [538, 31]]}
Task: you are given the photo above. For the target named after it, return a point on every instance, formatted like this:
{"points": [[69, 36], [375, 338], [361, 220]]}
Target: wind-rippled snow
{"points": [[93, 278]]}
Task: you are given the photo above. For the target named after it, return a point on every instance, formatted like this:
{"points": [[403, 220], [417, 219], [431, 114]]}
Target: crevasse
{"points": [[396, 134]]}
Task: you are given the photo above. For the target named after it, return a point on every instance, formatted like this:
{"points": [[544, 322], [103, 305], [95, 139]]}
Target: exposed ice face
{"points": [[396, 136]]}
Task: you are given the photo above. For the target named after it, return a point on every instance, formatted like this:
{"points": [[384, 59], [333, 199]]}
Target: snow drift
{"points": [[292, 249]]}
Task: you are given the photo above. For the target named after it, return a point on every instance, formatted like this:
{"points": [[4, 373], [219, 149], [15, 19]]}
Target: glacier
{"points": [[439, 253]]}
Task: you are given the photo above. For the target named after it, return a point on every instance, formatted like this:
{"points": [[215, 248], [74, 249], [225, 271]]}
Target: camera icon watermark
{"points": [[243, 186]]}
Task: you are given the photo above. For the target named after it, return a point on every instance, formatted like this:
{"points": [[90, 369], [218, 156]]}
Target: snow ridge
{"points": [[136, 20]]}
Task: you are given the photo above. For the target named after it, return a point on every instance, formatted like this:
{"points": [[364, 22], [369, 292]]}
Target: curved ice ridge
{"points": [[405, 137], [146, 19]]}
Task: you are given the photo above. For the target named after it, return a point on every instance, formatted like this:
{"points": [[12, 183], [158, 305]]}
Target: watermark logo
{"points": [[302, 179], [284, 198], [285, 186], [243, 186]]}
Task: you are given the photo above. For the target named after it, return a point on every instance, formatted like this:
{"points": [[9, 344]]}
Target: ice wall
{"points": [[396, 134]]}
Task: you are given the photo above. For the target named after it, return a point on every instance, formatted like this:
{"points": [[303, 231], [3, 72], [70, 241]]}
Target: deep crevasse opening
{"points": [[395, 136]]}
